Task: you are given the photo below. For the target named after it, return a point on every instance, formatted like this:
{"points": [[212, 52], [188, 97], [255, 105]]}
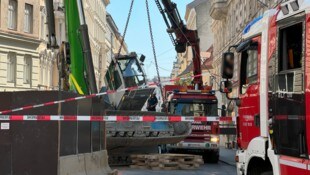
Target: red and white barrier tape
{"points": [[110, 118], [181, 78], [83, 97], [63, 101]]}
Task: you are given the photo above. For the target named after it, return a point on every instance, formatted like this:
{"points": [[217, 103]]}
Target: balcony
{"points": [[219, 9]]}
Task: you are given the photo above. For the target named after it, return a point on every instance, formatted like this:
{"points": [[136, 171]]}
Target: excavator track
{"points": [[124, 139]]}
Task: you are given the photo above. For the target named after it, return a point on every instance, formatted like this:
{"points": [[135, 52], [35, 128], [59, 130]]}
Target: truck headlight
{"points": [[214, 139]]}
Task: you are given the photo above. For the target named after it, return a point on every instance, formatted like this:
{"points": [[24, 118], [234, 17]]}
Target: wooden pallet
{"points": [[166, 161]]}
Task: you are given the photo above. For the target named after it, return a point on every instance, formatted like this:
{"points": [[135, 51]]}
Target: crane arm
{"points": [[81, 63], [183, 37]]}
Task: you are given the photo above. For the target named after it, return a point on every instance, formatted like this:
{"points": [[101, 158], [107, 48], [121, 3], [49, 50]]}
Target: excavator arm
{"points": [[181, 36]]}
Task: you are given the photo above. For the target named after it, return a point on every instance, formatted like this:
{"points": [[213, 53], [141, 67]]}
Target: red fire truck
{"points": [[274, 116], [204, 139], [194, 100]]}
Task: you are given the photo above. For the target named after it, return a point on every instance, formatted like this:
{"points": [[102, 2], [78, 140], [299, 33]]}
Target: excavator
{"points": [[124, 71]]}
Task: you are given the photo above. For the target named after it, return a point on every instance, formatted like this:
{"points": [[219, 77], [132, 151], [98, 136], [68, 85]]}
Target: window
{"points": [[289, 76], [12, 15], [42, 24], [112, 77], [192, 108], [287, 97], [27, 69], [28, 18], [248, 72], [11, 69], [291, 47], [132, 72], [251, 63], [41, 70]]}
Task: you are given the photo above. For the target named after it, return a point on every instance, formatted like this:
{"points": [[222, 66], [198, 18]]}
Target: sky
{"points": [[138, 35]]}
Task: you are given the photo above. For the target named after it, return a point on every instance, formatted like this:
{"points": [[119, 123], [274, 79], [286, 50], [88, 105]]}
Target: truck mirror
{"points": [[228, 65], [226, 87]]}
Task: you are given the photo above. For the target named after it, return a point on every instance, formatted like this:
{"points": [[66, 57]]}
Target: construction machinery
{"points": [[273, 98], [124, 139], [195, 100], [126, 78]]}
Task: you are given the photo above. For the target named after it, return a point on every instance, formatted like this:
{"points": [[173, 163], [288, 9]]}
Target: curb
{"points": [[227, 163]]}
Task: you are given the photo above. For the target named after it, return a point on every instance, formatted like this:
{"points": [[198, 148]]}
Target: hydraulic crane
{"points": [[77, 52], [183, 37], [194, 100]]}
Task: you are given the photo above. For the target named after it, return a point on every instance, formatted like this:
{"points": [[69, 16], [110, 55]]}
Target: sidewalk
{"points": [[227, 156]]}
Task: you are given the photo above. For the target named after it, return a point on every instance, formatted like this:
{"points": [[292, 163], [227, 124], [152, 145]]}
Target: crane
{"points": [[76, 52], [182, 37], [195, 100]]}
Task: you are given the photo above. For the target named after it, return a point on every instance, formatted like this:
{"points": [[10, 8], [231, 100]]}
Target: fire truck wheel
{"points": [[210, 156], [258, 166]]}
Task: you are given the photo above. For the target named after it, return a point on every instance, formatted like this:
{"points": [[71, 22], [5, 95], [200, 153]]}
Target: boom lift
{"points": [[194, 100]]}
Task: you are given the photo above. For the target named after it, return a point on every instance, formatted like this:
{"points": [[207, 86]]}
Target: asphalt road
{"points": [[226, 166], [207, 169]]}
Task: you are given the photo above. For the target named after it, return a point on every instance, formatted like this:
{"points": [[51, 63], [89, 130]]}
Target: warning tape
{"points": [[111, 118], [63, 101], [181, 78], [86, 97]]}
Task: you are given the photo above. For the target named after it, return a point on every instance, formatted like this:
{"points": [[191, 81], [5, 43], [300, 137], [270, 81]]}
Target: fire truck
{"points": [[195, 100], [273, 102], [203, 140]]}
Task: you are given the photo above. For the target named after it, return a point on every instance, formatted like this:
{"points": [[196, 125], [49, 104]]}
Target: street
{"points": [[154, 87], [206, 169], [224, 167]]}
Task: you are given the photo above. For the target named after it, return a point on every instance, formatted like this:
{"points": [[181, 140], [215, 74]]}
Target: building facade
{"points": [[95, 15], [19, 40], [113, 42], [48, 74], [229, 19]]}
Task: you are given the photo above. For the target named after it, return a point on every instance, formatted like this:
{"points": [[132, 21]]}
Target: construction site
{"points": [[76, 101]]}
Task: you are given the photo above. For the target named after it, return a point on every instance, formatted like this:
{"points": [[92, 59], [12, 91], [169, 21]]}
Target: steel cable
{"points": [[153, 46], [125, 29]]}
